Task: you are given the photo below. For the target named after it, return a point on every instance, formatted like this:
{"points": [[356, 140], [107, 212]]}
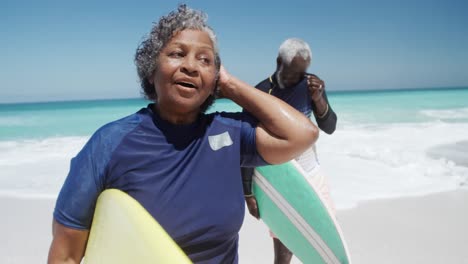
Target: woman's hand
{"points": [[223, 82]]}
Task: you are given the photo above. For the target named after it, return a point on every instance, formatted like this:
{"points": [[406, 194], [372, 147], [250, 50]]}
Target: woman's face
{"points": [[185, 74]]}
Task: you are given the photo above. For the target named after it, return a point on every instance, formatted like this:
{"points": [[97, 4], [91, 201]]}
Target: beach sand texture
{"points": [[428, 229]]}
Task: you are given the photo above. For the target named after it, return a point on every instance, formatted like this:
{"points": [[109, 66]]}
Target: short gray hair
{"points": [[293, 47], [146, 57]]}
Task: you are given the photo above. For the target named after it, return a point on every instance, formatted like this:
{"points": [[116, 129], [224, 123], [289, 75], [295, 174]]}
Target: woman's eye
{"points": [[176, 54], [205, 60]]}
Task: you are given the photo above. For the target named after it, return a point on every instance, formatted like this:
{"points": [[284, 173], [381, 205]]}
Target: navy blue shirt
{"points": [[299, 97], [186, 176]]}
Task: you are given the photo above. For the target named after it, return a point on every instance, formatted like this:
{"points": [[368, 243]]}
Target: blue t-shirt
{"points": [[299, 97], [186, 176]]}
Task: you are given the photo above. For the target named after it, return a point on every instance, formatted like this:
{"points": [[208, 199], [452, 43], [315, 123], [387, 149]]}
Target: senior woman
{"points": [[181, 164]]}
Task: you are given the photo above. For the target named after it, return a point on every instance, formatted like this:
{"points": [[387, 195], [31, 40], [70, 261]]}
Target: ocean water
{"points": [[387, 143]]}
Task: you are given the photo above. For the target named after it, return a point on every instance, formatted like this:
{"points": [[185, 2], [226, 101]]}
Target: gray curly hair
{"points": [[293, 47], [146, 57]]}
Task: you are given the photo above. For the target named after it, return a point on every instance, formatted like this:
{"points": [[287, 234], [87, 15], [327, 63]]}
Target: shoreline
{"points": [[422, 229]]}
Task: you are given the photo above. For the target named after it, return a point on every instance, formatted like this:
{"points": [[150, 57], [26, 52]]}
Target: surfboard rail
{"points": [[124, 232]]}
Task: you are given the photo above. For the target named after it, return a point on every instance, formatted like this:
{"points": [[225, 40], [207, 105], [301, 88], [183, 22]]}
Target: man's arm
{"points": [[324, 114], [327, 121], [68, 245], [247, 174]]}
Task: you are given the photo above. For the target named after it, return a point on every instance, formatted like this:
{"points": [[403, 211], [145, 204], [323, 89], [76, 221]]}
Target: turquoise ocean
{"points": [[387, 144]]}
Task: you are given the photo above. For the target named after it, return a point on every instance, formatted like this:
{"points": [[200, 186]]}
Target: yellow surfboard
{"points": [[124, 232]]}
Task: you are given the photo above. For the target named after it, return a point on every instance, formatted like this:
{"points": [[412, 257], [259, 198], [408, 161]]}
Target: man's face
{"points": [[292, 74]]}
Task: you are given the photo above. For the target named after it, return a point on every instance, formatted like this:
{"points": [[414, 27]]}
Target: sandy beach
{"points": [[26, 227], [428, 229]]}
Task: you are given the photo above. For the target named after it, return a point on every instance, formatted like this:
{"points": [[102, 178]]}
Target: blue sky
{"points": [[71, 50]]}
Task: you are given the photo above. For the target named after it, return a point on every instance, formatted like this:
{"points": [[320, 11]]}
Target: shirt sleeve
{"points": [[249, 154], [326, 123], [77, 199]]}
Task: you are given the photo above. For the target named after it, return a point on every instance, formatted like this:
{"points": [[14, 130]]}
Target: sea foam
{"points": [[36, 168], [392, 160], [362, 162]]}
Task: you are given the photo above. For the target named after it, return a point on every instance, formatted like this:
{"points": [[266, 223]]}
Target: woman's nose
{"points": [[189, 65]]}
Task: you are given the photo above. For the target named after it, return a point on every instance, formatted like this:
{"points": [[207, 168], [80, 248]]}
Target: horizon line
{"points": [[332, 91]]}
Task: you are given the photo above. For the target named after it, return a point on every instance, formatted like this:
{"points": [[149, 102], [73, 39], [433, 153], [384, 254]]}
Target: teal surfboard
{"points": [[297, 214]]}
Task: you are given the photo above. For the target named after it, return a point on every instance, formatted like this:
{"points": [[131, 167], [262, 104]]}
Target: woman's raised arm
{"points": [[283, 133]]}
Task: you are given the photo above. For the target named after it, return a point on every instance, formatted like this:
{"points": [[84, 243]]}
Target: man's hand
{"points": [[316, 87], [252, 206]]}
